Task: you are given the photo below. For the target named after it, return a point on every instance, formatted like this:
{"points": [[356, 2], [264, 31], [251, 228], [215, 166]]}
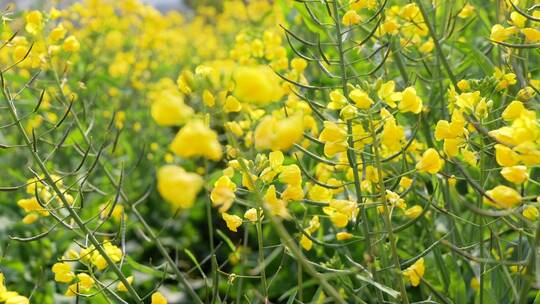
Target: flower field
{"points": [[270, 151]]}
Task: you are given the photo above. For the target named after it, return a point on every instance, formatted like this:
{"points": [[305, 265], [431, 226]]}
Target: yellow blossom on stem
{"points": [[415, 272], [71, 44], [121, 287], [351, 17], [281, 134], [515, 174], [503, 197], [232, 221], [258, 85], [158, 298], [343, 236], [530, 212], [62, 272], [430, 162], [223, 194], [83, 285], [410, 102], [414, 211]]}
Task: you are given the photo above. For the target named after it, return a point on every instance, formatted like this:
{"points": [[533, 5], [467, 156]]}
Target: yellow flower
{"points": [[170, 110], [30, 218], [427, 46], [281, 134], [361, 99], [414, 211], [391, 27], [251, 215], [257, 85], [513, 110], [340, 212], [387, 94], [499, 33], [232, 104], [197, 139], [515, 174], [299, 64], [17, 299], [466, 11], [62, 272], [405, 182], [293, 193], [463, 85], [71, 44], [505, 156], [158, 298], [348, 112], [208, 98], [335, 138], [306, 243], [290, 175], [32, 204], [503, 196], [57, 33], [112, 251], [34, 22], [410, 102], [531, 34], [121, 287], [337, 100], [475, 284], [518, 19], [320, 193], [277, 206], [415, 272], [392, 135], [232, 221], [343, 236], [83, 285], [351, 17], [430, 162], [530, 212], [223, 193], [178, 187]]}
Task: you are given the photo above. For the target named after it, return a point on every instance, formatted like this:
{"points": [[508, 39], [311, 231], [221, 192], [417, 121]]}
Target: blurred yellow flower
{"points": [[197, 139], [503, 196], [258, 85], [515, 174], [415, 272], [178, 187], [430, 162], [278, 134], [158, 298]]}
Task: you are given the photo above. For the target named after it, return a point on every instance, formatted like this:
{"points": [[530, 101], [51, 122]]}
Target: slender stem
{"points": [[386, 215], [437, 44], [286, 238], [260, 244], [161, 248], [66, 204]]}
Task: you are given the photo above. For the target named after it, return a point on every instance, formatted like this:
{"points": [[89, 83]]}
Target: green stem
{"points": [[386, 214], [65, 203]]}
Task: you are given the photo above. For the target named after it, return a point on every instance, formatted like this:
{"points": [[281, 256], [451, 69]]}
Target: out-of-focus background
{"points": [[162, 5]]}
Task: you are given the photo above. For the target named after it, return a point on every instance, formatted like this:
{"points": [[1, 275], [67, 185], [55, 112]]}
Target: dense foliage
{"points": [[308, 151]]}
